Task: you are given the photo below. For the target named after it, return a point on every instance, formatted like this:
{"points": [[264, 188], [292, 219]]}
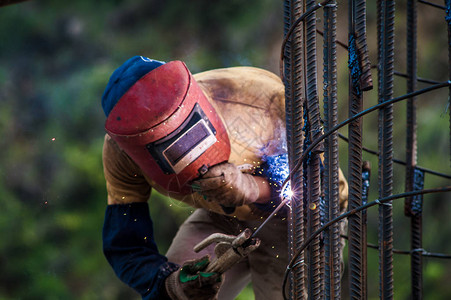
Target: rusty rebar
{"points": [[411, 206], [359, 80], [312, 170], [332, 267], [386, 18], [294, 95], [356, 264]]}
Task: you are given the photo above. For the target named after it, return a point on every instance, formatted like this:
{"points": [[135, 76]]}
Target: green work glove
{"points": [[227, 185], [189, 282]]}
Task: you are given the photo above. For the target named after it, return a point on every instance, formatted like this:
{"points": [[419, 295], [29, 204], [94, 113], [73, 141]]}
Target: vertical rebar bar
{"points": [[359, 80], [386, 17], [416, 260], [332, 288], [294, 98], [313, 164]]}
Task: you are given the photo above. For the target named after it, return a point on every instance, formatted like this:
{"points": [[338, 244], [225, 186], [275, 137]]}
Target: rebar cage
{"points": [[315, 270]]}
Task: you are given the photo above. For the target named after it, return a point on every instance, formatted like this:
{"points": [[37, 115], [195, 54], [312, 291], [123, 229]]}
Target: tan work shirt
{"points": [[250, 102]]}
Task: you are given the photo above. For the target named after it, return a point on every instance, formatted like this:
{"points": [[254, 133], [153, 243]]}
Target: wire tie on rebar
{"points": [[331, 5], [419, 250], [382, 203], [301, 262]]}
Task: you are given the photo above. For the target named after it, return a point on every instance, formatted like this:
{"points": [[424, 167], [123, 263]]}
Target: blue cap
{"points": [[124, 77]]}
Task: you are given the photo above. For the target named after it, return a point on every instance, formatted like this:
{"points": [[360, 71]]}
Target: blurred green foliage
{"points": [[55, 60]]}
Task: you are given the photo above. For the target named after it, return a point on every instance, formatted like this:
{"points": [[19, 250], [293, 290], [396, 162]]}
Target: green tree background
{"points": [[55, 60]]}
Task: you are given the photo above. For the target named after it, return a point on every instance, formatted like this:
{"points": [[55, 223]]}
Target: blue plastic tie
{"points": [[354, 65]]}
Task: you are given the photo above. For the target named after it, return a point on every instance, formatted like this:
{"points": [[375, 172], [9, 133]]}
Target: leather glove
{"points": [[227, 185], [189, 282]]}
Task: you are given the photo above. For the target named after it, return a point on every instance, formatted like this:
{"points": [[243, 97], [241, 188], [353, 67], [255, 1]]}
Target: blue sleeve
{"points": [[129, 246]]}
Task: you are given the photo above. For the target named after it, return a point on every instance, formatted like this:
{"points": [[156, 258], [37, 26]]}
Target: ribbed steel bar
{"points": [[410, 206], [386, 17], [294, 95], [359, 80], [331, 202], [312, 170]]}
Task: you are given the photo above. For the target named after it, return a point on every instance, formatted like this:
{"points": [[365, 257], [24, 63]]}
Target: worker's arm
{"points": [[128, 241], [129, 247]]}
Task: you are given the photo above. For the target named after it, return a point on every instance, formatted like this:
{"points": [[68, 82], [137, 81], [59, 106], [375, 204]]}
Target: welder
{"points": [[188, 137]]}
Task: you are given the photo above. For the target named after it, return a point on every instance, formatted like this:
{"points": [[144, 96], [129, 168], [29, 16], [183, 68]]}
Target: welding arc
{"points": [[382, 201]]}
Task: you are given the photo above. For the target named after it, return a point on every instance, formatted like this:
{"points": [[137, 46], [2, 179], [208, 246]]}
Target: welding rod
{"points": [[281, 204]]}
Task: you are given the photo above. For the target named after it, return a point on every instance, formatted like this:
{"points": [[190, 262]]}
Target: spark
{"points": [[286, 191]]}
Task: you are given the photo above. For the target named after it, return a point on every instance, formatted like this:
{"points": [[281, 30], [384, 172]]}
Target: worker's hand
{"points": [[227, 185], [189, 282]]}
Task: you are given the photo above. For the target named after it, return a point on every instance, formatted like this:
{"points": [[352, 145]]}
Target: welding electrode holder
{"points": [[229, 250]]}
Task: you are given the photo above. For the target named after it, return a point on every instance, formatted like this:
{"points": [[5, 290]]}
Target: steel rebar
{"points": [[410, 208], [312, 170], [331, 202], [359, 80], [385, 24], [294, 95]]}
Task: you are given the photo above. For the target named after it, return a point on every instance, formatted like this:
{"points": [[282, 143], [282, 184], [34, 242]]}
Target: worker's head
{"points": [[160, 117]]}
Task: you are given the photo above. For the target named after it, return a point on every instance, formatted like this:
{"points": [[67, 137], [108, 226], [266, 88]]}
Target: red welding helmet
{"points": [[165, 123]]}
